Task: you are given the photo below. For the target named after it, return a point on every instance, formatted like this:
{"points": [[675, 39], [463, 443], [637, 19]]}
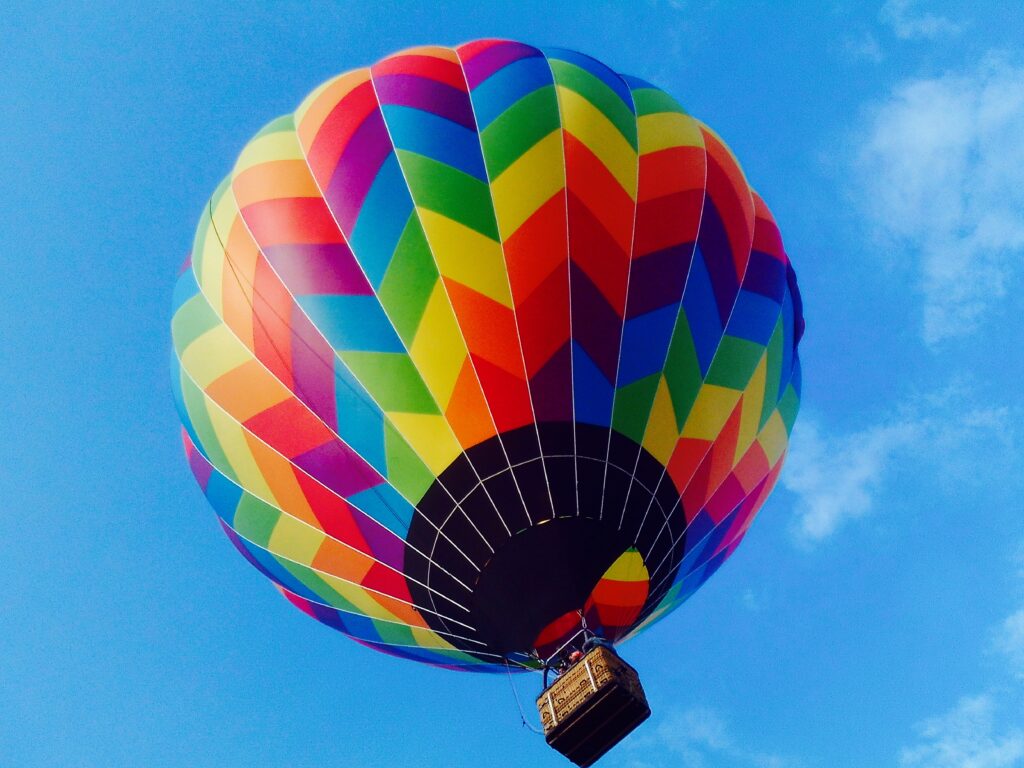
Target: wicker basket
{"points": [[592, 706]]}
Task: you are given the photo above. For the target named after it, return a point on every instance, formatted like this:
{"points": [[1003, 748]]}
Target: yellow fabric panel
{"points": [[773, 437], [438, 348], [429, 639], [295, 540], [629, 566], [464, 255], [359, 597], [712, 409], [429, 436], [528, 183], [279, 145], [663, 130], [230, 435], [213, 354], [210, 275], [588, 124], [750, 416], [660, 436]]}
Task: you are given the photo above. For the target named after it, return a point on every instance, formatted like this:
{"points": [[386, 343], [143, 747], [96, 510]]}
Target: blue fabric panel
{"points": [[592, 394], [753, 318], [506, 86], [430, 135], [223, 495], [645, 342], [381, 221], [384, 504], [360, 421], [594, 67], [352, 323], [702, 312]]}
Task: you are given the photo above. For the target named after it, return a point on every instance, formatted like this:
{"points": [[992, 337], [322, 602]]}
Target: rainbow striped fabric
{"points": [[459, 300]]}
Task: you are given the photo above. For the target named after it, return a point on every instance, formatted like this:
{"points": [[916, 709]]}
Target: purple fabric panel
{"points": [[384, 544], [200, 467], [657, 279], [595, 325], [714, 244], [486, 63], [366, 152], [313, 368], [318, 268], [766, 275], [426, 94], [338, 467], [551, 387]]}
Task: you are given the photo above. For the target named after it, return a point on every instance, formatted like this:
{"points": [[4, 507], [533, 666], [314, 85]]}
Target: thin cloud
{"points": [[836, 477], [1009, 641], [909, 24], [965, 737], [940, 176], [699, 737], [865, 48]]}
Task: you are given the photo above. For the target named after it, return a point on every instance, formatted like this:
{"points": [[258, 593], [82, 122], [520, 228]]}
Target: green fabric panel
{"points": [[396, 634], [682, 371], [734, 362], [406, 471], [788, 407], [312, 580], [650, 101], [255, 519], [195, 404], [518, 128], [450, 192], [408, 281], [600, 95], [633, 404], [193, 318], [277, 125], [774, 373], [392, 381]]}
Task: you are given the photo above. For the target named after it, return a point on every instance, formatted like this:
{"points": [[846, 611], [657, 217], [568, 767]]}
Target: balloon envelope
{"points": [[483, 343]]}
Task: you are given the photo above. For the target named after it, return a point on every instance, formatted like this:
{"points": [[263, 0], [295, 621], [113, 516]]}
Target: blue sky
{"points": [[874, 616]]}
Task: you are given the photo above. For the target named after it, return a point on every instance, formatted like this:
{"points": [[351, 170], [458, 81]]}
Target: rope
{"points": [[522, 714]]}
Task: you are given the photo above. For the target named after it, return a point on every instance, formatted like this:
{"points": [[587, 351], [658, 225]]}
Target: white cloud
{"points": [[965, 737], [941, 175], [699, 737], [907, 24], [753, 601], [836, 477], [865, 48], [1009, 640]]}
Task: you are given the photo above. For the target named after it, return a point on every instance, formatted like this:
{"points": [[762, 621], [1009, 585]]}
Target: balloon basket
{"points": [[592, 706]]}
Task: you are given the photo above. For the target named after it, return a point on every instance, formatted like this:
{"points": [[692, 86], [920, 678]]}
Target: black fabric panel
{"points": [[542, 569]]}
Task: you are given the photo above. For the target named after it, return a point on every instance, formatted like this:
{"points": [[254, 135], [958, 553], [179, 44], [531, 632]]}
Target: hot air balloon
{"points": [[486, 352]]}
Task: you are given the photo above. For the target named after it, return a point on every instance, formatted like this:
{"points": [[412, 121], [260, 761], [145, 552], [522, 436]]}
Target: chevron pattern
{"points": [[442, 273]]}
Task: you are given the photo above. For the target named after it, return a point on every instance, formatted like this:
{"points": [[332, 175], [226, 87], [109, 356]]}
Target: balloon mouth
{"points": [[503, 557]]}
